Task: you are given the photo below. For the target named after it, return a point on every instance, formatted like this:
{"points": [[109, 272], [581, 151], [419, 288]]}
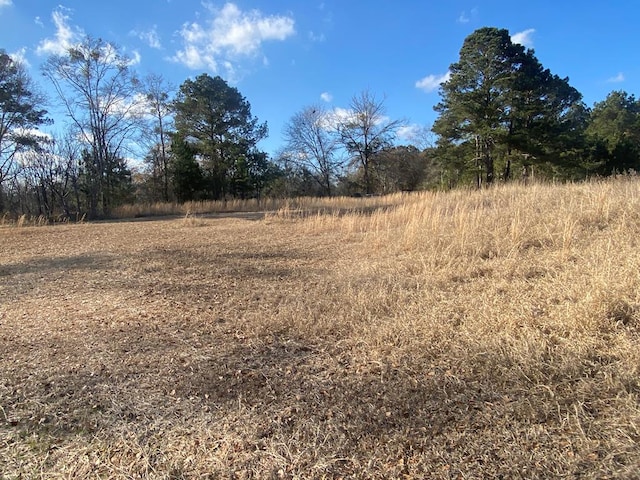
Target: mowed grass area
{"points": [[469, 334]]}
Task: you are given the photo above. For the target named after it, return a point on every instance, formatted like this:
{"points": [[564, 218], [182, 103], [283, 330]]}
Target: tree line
{"points": [[502, 116]]}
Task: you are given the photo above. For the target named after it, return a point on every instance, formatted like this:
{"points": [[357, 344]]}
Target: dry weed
{"points": [[488, 334]]}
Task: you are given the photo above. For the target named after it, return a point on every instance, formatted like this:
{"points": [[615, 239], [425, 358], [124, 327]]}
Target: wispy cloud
{"points": [[335, 117], [20, 57], [431, 83], [617, 79], [65, 37], [135, 58], [524, 38], [228, 35], [150, 37], [342, 114], [408, 132], [466, 17], [419, 136], [326, 97], [317, 37], [5, 3], [339, 115]]}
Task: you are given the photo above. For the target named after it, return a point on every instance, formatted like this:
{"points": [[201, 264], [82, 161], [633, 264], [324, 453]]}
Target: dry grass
{"points": [[27, 221], [487, 334], [301, 204]]}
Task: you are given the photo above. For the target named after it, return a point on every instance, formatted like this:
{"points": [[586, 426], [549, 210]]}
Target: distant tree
{"points": [[188, 179], [452, 160], [365, 132], [49, 178], [310, 143], [68, 154], [158, 105], [293, 179], [499, 100], [53, 174], [216, 121], [21, 112], [614, 132], [400, 168], [117, 186], [98, 91], [253, 175]]}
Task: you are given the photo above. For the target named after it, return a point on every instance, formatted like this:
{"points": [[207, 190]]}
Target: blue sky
{"points": [[283, 55]]}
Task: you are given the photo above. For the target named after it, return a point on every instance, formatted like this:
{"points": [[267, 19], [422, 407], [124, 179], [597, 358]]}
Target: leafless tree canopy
{"points": [[366, 132], [98, 92], [311, 144]]}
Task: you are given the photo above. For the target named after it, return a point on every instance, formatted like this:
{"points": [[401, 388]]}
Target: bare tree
{"points": [[311, 144], [98, 91], [52, 174], [366, 131], [157, 97]]}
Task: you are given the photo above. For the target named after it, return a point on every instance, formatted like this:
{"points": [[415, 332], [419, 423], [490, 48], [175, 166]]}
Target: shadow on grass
{"points": [[57, 264], [284, 393]]}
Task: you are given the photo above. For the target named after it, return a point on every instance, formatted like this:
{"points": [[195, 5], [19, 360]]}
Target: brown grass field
{"points": [[460, 335]]}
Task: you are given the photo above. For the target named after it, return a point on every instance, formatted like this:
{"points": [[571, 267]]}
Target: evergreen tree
{"points": [[20, 112], [216, 120], [499, 100], [614, 133], [188, 180]]}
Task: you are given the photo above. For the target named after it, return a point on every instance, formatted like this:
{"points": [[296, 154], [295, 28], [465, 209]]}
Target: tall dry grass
{"points": [[475, 334], [300, 205], [531, 295]]}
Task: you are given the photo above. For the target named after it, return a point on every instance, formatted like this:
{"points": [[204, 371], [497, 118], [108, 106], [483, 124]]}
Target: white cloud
{"points": [[335, 117], [408, 132], [192, 58], [150, 37], [338, 115], [524, 38], [419, 136], [20, 57], [65, 37], [228, 35], [342, 114], [431, 83], [5, 3], [326, 96], [617, 79], [131, 108], [135, 58]]}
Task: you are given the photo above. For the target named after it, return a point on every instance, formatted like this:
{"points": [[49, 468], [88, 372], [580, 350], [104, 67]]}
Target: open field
{"points": [[490, 334]]}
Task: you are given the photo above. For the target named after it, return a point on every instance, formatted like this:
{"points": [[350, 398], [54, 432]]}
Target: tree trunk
{"points": [[367, 178], [488, 165], [478, 164], [488, 160]]}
